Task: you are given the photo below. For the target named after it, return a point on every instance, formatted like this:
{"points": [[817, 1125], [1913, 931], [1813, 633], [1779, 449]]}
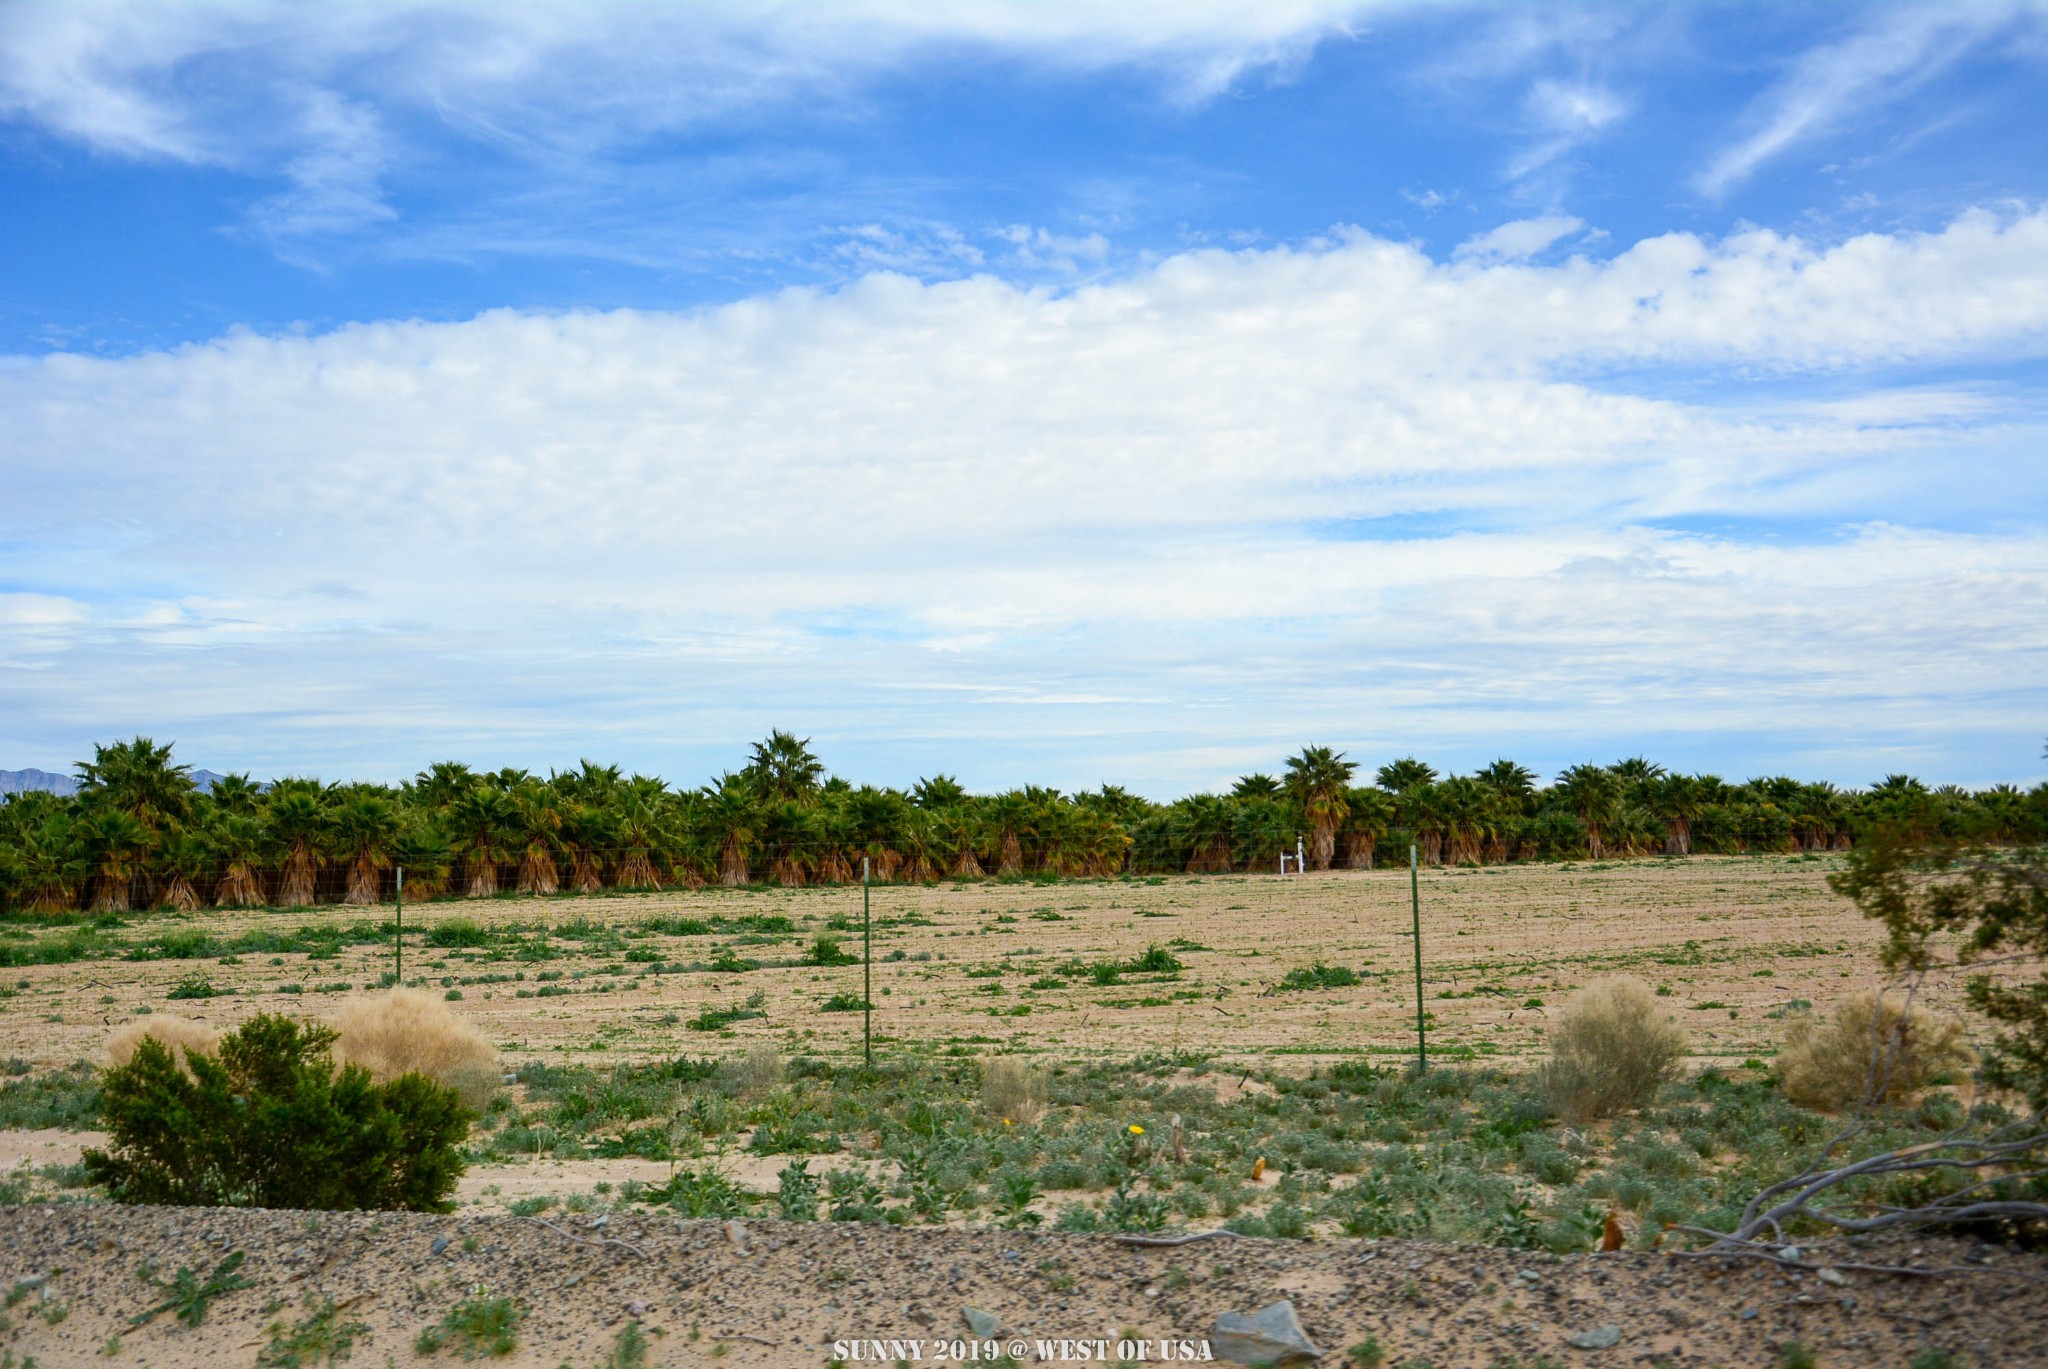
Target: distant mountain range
{"points": [[31, 779]]}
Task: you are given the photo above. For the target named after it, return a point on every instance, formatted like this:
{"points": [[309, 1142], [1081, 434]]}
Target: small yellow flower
{"points": [[1008, 1122], [1137, 1130]]}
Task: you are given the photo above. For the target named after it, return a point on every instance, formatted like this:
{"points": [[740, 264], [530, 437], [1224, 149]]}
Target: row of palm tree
{"points": [[139, 832]]}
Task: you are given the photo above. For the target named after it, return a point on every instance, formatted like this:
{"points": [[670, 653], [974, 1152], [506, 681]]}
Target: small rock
{"points": [[736, 1234], [1271, 1335], [920, 1316], [440, 1244], [1531, 1275], [1835, 1277], [636, 1308], [1790, 1254], [1749, 1314], [1606, 1338], [982, 1324]]}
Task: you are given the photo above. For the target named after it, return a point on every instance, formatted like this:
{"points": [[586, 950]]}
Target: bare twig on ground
{"points": [[1156, 1242]]}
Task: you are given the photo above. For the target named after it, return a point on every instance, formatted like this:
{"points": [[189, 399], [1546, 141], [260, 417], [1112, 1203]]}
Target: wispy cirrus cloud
{"points": [[328, 97], [1897, 52]]}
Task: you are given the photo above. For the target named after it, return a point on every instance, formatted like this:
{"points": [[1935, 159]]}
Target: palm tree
{"points": [[1466, 808], [957, 832], [443, 782], [1372, 812], [786, 830], [587, 829], [1676, 801], [732, 818], [1206, 828], [1514, 784], [236, 794], [236, 842], [1009, 818], [137, 778], [482, 820], [1398, 777], [642, 832], [363, 828], [1256, 786], [537, 829], [783, 770], [1318, 778], [47, 860], [1594, 793], [940, 791], [295, 817], [118, 843]]}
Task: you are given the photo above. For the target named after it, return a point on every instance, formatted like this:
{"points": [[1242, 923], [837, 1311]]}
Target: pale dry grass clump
{"points": [[1875, 1049], [1012, 1089], [760, 1071], [173, 1032], [1612, 1049], [407, 1031]]}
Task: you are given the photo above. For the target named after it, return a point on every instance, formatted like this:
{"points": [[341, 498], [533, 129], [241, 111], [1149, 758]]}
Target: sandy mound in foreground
{"points": [[766, 1293]]}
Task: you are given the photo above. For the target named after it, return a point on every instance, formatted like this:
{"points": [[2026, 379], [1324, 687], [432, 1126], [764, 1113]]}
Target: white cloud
{"points": [[1833, 85], [316, 93], [1562, 116], [1309, 485], [1518, 240]]}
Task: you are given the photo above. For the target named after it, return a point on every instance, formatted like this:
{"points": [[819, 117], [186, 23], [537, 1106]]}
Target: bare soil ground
{"points": [[770, 1294], [971, 969], [1734, 940]]}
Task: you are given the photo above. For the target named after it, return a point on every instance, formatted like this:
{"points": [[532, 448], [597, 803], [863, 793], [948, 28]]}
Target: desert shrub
{"points": [[826, 950], [268, 1120], [1320, 976], [1874, 1050], [1012, 1089], [408, 1031], [457, 933], [478, 1325], [180, 1035], [761, 1070], [1612, 1049]]}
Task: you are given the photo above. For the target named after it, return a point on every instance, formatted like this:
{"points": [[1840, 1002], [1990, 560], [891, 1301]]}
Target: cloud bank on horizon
{"points": [[1040, 391]]}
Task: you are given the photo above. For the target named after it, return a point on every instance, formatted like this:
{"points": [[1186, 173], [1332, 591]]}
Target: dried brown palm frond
{"points": [[295, 882], [636, 871], [538, 873], [179, 895], [788, 871], [1011, 860], [240, 887], [365, 882], [586, 871], [732, 865], [482, 869], [967, 865]]}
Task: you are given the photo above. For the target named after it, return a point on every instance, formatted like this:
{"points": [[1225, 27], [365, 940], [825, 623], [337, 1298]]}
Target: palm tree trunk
{"points": [[732, 865], [365, 882], [1358, 850], [179, 896], [483, 875], [1595, 847], [586, 873], [787, 871], [1432, 844], [538, 873], [966, 865], [636, 871], [240, 887], [1012, 862], [1322, 847], [835, 869], [295, 881], [110, 893]]}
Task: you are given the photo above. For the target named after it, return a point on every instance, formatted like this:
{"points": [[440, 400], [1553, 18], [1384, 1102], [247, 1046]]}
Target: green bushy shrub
{"points": [[269, 1121]]}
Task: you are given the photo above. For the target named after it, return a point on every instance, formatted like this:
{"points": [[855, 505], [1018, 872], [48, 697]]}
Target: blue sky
{"points": [[1039, 391]]}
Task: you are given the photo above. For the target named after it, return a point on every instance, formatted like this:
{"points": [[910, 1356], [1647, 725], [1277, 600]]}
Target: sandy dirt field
{"points": [[770, 1294], [1734, 940]]}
